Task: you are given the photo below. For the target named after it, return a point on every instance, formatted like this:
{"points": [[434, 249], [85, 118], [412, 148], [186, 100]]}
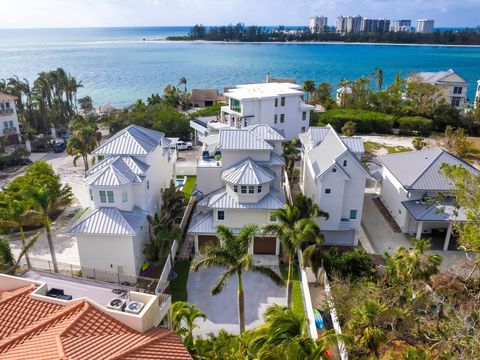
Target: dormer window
{"points": [[243, 189], [235, 188], [344, 162], [334, 170], [251, 189], [259, 189]]}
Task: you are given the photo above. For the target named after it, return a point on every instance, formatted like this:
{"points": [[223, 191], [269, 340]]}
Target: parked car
{"points": [[183, 145], [59, 147]]}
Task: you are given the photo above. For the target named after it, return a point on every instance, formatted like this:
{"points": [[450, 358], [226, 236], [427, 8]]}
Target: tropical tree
{"points": [[184, 316], [344, 85], [183, 81], [323, 95], [312, 256], [290, 154], [172, 201], [7, 260], [378, 74], [86, 103], [292, 232], [84, 139], [457, 141], [349, 128], [411, 265], [308, 87], [232, 255], [419, 143], [367, 325], [307, 208]]}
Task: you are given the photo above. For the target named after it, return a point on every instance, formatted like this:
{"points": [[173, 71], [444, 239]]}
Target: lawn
{"points": [[297, 297], [178, 286], [188, 186], [372, 147]]}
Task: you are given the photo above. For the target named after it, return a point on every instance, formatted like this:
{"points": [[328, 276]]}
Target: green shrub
{"points": [[366, 121], [352, 264], [415, 125]]}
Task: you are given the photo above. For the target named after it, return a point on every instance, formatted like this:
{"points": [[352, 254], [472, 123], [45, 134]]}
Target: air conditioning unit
{"points": [[134, 307], [117, 304]]}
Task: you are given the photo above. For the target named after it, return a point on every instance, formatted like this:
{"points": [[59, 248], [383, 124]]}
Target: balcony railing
{"points": [[4, 112]]}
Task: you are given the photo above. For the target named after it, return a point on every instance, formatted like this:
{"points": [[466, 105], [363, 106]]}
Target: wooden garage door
{"points": [[264, 245], [205, 240]]}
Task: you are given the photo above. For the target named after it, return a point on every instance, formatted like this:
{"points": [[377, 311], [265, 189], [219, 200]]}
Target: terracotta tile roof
{"points": [[7, 97], [37, 330]]}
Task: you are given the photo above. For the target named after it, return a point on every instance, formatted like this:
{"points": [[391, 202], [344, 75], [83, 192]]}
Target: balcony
{"points": [[10, 131], [209, 163], [5, 112]]}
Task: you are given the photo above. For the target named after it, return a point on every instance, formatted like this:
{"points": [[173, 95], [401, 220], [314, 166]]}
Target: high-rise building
{"points": [[425, 26], [401, 26], [354, 24], [341, 24], [375, 25], [318, 24]]}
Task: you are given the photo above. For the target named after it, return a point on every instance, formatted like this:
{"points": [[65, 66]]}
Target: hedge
{"points": [[365, 120], [415, 125]]}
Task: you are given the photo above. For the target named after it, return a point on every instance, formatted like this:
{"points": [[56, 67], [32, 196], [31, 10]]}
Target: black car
{"points": [[59, 147]]}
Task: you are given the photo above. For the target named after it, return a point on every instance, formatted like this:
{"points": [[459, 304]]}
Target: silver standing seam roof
{"points": [[110, 221], [247, 172], [266, 132], [316, 134], [443, 211], [220, 199], [117, 170], [420, 170], [133, 140], [241, 139], [204, 224]]}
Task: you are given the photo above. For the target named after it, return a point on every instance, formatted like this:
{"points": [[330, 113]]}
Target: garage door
{"points": [[205, 240], [264, 245]]}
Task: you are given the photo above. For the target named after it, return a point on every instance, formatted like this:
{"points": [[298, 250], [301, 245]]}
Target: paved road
{"points": [[221, 309]]}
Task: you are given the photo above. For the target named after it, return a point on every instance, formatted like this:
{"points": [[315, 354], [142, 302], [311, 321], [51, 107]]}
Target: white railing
{"points": [[336, 323], [307, 300], [167, 268]]}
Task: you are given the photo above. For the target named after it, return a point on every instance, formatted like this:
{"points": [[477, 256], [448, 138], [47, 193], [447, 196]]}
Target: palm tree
{"points": [[290, 154], [419, 143], [183, 81], [344, 85], [367, 325], [183, 317], [308, 87], [312, 256], [292, 232], [308, 208], [8, 263], [415, 264], [84, 139], [232, 254], [378, 74], [43, 202]]}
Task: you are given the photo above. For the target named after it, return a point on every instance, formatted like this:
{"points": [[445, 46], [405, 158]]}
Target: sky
{"points": [[106, 13]]}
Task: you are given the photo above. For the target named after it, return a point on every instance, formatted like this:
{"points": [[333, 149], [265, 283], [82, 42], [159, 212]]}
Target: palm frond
{"points": [[268, 272], [223, 280]]}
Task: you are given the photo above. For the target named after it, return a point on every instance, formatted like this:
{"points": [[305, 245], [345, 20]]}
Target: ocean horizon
{"points": [[117, 65]]}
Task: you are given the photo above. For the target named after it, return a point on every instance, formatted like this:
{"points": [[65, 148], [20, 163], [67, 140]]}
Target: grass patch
{"points": [[297, 297], [372, 147], [188, 186], [178, 287]]}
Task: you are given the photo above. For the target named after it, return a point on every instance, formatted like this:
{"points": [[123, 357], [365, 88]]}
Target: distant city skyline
{"points": [[111, 13]]}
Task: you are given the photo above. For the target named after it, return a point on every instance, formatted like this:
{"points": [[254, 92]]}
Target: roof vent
{"points": [[117, 304], [134, 307]]}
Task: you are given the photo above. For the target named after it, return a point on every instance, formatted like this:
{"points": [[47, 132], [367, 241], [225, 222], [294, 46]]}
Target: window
{"points": [[5, 124], [334, 170], [220, 215], [110, 197], [2, 106], [243, 189], [303, 129], [245, 124], [456, 101], [251, 189], [91, 194], [259, 188], [275, 118], [282, 101], [457, 89], [10, 123], [148, 185], [353, 214], [124, 196], [235, 105], [103, 197], [344, 162], [235, 188], [304, 116], [276, 102], [282, 118], [272, 217], [7, 105], [328, 191]]}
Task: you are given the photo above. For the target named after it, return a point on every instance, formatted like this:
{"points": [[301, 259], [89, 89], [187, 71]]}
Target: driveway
{"points": [[378, 236], [221, 309]]}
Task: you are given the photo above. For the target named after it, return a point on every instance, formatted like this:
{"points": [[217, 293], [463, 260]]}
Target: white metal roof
{"points": [[247, 173], [263, 90], [110, 221], [133, 140], [204, 224], [442, 211], [420, 170], [434, 77], [316, 134], [242, 139], [117, 170], [266, 132], [220, 199]]}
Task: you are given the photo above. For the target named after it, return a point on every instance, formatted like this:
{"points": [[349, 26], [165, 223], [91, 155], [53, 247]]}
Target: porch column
{"points": [[419, 230], [277, 247], [447, 237], [196, 243]]}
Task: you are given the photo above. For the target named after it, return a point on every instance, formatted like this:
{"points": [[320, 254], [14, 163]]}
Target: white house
{"points": [[409, 185], [243, 187], [124, 189], [279, 105], [450, 85], [477, 95], [9, 119], [333, 176]]}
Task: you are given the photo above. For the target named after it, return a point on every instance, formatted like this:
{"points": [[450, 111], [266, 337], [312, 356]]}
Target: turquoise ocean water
{"points": [[116, 65]]}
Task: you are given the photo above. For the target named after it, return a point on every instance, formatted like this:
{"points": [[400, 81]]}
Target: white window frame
{"points": [[124, 196], [218, 215]]}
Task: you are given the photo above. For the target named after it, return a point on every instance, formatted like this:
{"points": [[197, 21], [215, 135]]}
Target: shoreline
{"points": [[303, 43]]}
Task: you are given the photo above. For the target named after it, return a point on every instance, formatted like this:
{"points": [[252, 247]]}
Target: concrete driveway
{"points": [[221, 309]]}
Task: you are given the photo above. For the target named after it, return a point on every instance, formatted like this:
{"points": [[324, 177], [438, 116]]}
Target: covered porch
{"points": [[435, 219]]}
